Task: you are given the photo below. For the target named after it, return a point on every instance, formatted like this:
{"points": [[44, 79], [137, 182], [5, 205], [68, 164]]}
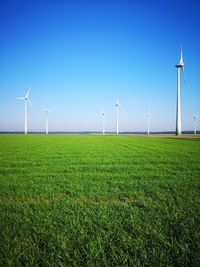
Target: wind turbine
{"points": [[103, 122], [26, 101], [117, 116], [179, 66], [195, 123], [148, 118], [46, 120]]}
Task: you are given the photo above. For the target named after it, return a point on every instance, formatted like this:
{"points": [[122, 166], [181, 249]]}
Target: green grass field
{"points": [[72, 200]]}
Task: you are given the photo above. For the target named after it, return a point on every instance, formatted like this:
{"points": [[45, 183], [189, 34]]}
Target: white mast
{"points": [[117, 116], [26, 101], [179, 66], [47, 129], [148, 117], [25, 117], [195, 124]]}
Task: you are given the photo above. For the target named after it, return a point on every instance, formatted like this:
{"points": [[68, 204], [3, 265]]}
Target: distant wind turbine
{"points": [[117, 116], [46, 120], [179, 66], [103, 122], [148, 118], [26, 101], [195, 123]]}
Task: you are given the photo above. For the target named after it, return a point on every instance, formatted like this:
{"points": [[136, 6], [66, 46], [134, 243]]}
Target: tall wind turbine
{"points": [[179, 66], [26, 101], [117, 116], [103, 122], [46, 120], [195, 123], [148, 118]]}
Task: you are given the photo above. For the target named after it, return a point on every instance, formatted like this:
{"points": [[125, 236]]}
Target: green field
{"points": [[92, 200]]}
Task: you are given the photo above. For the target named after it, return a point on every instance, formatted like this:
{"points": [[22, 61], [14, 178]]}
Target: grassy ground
{"points": [[99, 201]]}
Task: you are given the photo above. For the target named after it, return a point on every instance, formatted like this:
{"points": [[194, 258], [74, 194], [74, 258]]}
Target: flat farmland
{"points": [[93, 200]]}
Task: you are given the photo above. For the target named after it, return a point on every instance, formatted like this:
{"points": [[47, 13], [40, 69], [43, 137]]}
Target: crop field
{"points": [[93, 200]]}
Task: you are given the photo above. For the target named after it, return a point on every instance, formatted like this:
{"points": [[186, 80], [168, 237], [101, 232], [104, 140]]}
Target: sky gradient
{"points": [[77, 56]]}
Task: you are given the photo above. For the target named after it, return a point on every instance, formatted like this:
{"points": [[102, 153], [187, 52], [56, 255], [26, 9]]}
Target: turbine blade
{"points": [[21, 98], [27, 94], [30, 102], [181, 58]]}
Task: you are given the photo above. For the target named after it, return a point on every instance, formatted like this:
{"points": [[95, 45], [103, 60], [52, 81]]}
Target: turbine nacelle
{"points": [[46, 110], [117, 104], [195, 117], [180, 65], [104, 114]]}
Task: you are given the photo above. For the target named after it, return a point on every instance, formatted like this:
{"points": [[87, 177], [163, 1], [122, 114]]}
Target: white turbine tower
{"points": [[26, 101], [195, 123], [179, 66], [46, 120], [148, 118], [103, 122], [117, 116]]}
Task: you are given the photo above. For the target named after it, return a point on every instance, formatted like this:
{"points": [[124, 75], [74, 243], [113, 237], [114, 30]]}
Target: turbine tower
{"points": [[46, 120], [179, 66], [26, 101], [103, 122], [117, 116], [148, 117], [195, 124]]}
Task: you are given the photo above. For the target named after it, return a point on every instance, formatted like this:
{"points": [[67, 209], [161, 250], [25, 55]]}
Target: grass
{"points": [[72, 200]]}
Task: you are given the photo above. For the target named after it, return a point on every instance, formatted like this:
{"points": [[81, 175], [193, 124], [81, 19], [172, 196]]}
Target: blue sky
{"points": [[77, 56]]}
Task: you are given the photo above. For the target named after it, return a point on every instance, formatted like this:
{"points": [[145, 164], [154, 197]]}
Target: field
{"points": [[92, 200]]}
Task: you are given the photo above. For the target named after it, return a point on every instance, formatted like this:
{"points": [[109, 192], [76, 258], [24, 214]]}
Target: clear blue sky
{"points": [[79, 55]]}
